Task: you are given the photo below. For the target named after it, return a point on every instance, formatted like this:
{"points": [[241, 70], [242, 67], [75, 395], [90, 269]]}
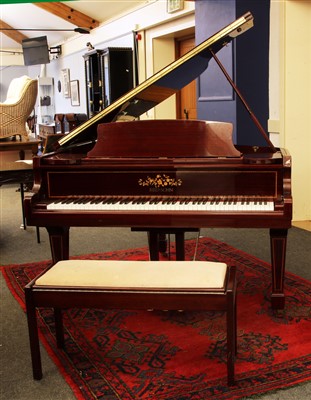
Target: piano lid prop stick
{"points": [[254, 118]]}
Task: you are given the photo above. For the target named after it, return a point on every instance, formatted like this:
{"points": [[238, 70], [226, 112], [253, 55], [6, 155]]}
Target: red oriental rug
{"points": [[160, 355]]}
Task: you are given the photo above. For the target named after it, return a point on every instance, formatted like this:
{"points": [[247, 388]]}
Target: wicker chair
{"points": [[15, 110]]}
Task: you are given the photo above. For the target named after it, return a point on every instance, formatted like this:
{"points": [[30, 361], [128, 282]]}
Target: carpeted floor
{"points": [[19, 246], [162, 355]]}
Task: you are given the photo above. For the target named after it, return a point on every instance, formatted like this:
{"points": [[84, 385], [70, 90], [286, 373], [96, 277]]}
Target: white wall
{"points": [[290, 94], [75, 64]]}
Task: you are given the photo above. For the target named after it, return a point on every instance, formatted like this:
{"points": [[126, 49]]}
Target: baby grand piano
{"points": [[115, 170]]}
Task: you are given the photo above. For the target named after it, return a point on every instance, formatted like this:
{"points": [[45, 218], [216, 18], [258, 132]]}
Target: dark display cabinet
{"points": [[108, 76]]}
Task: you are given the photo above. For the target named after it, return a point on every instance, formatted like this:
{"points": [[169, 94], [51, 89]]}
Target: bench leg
{"points": [[231, 336], [33, 336], [235, 327]]}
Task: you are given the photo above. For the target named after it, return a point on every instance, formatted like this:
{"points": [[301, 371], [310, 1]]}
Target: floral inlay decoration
{"points": [[160, 181]]}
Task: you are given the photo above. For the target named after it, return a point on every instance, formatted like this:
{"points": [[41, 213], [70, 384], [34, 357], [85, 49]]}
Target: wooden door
{"points": [[187, 97]]}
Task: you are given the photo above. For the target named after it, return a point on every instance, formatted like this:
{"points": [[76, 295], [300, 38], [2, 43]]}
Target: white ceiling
{"points": [[27, 15]]}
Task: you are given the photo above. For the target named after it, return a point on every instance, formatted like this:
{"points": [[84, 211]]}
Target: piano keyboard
{"points": [[162, 204]]}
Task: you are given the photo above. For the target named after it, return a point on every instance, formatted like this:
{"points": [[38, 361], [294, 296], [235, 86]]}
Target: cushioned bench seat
{"points": [[136, 274], [164, 285]]}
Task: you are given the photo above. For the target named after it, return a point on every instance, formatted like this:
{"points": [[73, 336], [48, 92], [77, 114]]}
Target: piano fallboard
{"points": [[227, 182]]}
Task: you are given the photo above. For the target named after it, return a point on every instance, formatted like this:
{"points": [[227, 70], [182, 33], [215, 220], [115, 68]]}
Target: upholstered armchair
{"points": [[17, 107]]}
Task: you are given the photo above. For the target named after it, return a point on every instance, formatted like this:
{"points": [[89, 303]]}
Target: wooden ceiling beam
{"points": [[69, 14], [14, 35]]}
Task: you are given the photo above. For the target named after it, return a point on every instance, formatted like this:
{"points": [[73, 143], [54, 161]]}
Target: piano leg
{"points": [[59, 243], [153, 241], [162, 242], [180, 245], [278, 239], [156, 243]]}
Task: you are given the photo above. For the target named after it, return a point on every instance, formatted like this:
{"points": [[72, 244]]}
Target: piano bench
{"points": [[164, 285]]}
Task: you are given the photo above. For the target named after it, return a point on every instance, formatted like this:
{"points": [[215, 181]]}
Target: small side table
{"points": [[20, 146], [15, 172]]}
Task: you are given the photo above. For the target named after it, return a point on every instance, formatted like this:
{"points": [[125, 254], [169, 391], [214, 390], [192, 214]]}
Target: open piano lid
{"points": [[158, 87]]}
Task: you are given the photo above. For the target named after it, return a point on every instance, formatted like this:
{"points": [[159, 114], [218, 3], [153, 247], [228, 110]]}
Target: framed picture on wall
{"points": [[65, 78], [75, 95]]}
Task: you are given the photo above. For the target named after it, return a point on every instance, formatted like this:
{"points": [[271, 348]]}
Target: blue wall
{"points": [[246, 60]]}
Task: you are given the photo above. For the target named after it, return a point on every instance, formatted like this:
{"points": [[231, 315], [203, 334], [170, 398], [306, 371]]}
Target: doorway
{"points": [[186, 99]]}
